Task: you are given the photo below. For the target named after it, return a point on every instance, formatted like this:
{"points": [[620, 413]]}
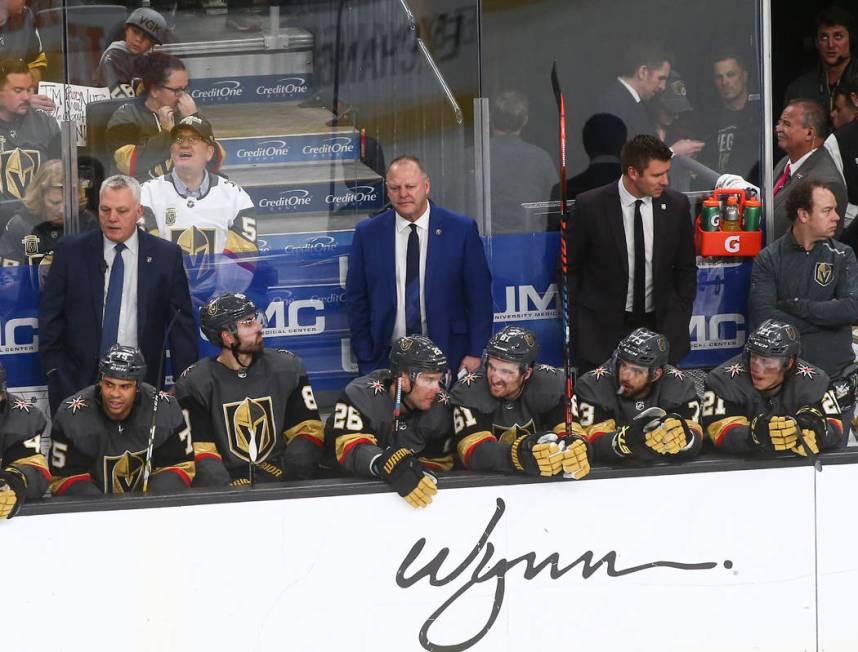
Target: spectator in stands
{"points": [[800, 132], [520, 172], [671, 126], [19, 38], [144, 28], [27, 136], [844, 104], [33, 232], [138, 133], [732, 130], [833, 34], [603, 137], [211, 218], [417, 269], [843, 147]]}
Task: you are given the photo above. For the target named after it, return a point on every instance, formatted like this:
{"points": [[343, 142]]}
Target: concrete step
{"points": [[288, 189], [265, 68], [279, 133]]}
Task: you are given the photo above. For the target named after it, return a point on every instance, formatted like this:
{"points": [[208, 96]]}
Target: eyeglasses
{"points": [[176, 91], [189, 140]]}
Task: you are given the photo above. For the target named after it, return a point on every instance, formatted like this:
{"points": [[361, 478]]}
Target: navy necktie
{"points": [[113, 303], [639, 290], [413, 324]]}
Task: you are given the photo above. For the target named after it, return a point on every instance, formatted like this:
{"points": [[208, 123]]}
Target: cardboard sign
{"points": [[70, 103]]}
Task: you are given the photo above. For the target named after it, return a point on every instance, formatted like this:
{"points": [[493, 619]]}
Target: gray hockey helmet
{"points": [[645, 348], [221, 313], [774, 339], [124, 362], [415, 353], [514, 344]]}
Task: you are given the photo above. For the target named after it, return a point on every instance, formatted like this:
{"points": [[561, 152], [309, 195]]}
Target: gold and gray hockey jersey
{"points": [[269, 406], [217, 231], [21, 427], [361, 426]]}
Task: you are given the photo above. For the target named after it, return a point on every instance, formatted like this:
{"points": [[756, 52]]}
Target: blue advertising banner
{"points": [[251, 88], [359, 196], [299, 282], [290, 149]]}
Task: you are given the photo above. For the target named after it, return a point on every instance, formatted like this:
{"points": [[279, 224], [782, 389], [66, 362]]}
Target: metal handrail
{"points": [[412, 26]]}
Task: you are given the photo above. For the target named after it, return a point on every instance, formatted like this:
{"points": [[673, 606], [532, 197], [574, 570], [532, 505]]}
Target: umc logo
{"points": [[525, 302], [20, 336], [297, 317], [726, 331]]}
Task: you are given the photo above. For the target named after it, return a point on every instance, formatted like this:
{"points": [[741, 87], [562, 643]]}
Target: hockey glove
{"points": [[404, 472], [670, 436], [631, 440], [576, 457], [537, 454], [12, 486], [774, 433], [813, 425]]}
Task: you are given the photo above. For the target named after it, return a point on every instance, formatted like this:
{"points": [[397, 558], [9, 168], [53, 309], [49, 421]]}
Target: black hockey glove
{"points": [[12, 487], [632, 441], [404, 472], [774, 434]]}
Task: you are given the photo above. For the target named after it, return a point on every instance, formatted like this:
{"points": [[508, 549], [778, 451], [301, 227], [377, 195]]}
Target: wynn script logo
{"points": [[485, 569]]}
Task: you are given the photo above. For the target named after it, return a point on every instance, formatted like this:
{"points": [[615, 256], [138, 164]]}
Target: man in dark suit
{"points": [[117, 284], [631, 258], [417, 269], [801, 131]]}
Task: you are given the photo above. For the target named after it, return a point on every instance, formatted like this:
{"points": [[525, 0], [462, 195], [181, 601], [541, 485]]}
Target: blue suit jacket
{"points": [[72, 303], [457, 288]]}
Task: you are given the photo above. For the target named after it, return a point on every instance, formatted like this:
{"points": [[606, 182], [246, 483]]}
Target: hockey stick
{"points": [[564, 225], [397, 406], [147, 470]]}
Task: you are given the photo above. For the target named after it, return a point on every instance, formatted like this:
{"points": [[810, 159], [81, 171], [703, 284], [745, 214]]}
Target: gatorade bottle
{"points": [[731, 221], [710, 217], [753, 212]]}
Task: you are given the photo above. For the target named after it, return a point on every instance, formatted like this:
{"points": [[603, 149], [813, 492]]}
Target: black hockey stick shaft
{"points": [[564, 261], [159, 380]]}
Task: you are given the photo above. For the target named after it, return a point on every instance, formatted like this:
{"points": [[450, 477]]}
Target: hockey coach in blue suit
{"points": [[417, 269]]}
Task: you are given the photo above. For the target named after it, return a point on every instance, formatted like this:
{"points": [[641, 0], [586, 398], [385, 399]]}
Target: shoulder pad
{"points": [[188, 369], [472, 391], [77, 404], [807, 384], [285, 352], [19, 404], [598, 386], [545, 389], [677, 387], [368, 392], [731, 380]]}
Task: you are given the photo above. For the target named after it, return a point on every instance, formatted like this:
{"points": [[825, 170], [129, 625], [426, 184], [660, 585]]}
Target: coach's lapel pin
{"points": [[663, 207], [148, 259], [437, 231]]}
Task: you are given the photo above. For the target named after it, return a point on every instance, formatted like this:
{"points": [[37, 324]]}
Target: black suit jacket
{"points": [[71, 307], [616, 100], [598, 272]]}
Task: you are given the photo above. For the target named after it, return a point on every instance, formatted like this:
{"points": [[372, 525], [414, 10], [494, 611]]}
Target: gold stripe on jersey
{"points": [[59, 484], [718, 428], [467, 444], [443, 463], [311, 428], [236, 244], [187, 469], [608, 425], [344, 443], [124, 157], [206, 449], [38, 461], [560, 429]]}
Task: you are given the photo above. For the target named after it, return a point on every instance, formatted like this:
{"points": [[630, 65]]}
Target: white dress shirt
{"points": [[402, 232], [627, 202], [631, 90], [793, 167], [127, 335]]}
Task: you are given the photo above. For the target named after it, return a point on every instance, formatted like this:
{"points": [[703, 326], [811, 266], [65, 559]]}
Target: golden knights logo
{"points": [[199, 245], [824, 273], [252, 417], [18, 168], [124, 473], [508, 434]]}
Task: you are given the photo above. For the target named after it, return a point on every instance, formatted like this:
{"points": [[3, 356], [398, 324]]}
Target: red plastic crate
{"points": [[728, 243]]}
